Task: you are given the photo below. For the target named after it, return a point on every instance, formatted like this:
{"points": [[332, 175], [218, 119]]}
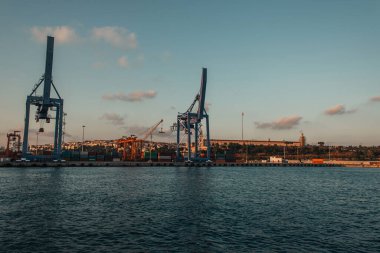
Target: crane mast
{"points": [[190, 123], [45, 103]]}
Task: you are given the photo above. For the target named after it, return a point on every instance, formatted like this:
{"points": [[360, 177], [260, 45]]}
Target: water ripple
{"points": [[189, 210]]}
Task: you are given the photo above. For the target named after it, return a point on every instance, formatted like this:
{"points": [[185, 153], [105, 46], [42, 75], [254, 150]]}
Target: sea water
{"points": [[216, 209]]}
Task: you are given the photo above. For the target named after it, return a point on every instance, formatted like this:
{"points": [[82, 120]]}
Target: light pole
{"points": [[37, 144], [246, 153], [83, 136], [286, 144], [329, 153], [242, 124], [298, 154], [64, 129], [150, 148], [242, 137]]}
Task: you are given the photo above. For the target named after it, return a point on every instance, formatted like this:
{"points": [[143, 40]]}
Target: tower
{"points": [[302, 140]]}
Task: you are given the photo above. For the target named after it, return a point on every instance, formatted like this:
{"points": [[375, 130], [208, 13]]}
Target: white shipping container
{"points": [[274, 159]]}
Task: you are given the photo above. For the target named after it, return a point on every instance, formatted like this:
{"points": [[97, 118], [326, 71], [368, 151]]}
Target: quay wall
{"points": [[156, 164]]}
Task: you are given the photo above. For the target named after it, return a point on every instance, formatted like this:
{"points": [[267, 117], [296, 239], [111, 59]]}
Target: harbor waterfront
{"points": [[170, 126], [156, 164], [353, 164], [212, 209]]}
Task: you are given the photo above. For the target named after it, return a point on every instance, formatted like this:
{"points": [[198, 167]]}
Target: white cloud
{"points": [[123, 62], [338, 110], [375, 99], [127, 62], [114, 118], [131, 97], [135, 130], [280, 124], [116, 36], [61, 34]]}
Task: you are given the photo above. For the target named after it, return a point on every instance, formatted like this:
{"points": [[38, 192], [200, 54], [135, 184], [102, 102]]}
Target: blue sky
{"points": [[121, 66]]}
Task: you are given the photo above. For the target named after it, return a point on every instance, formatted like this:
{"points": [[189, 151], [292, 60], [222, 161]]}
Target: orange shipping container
{"points": [[317, 161]]}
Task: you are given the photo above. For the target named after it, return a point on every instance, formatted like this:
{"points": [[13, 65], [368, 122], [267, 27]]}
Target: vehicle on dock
{"points": [[23, 160]]}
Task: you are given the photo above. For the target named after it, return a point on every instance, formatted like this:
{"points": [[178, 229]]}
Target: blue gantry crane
{"points": [[45, 103], [190, 124]]}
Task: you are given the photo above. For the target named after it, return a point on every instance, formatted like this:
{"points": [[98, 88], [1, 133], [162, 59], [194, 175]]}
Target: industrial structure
{"points": [[132, 146], [44, 104], [300, 143], [190, 123], [13, 144]]}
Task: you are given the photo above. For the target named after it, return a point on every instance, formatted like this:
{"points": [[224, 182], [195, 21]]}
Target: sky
{"points": [[291, 66]]}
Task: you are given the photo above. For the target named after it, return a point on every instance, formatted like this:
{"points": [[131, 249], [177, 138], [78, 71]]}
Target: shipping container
{"points": [[99, 157], [165, 158], [230, 157], [66, 154], [275, 159], [219, 156], [220, 160], [84, 154], [154, 155], [317, 161]]}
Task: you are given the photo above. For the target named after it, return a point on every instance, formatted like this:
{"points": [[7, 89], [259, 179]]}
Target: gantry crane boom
{"points": [[202, 95], [151, 130], [43, 111]]}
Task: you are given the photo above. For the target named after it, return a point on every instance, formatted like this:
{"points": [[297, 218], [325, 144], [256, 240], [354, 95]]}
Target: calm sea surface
{"points": [[189, 209]]}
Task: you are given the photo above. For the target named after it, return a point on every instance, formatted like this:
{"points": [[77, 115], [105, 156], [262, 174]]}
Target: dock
{"points": [[157, 164]]}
